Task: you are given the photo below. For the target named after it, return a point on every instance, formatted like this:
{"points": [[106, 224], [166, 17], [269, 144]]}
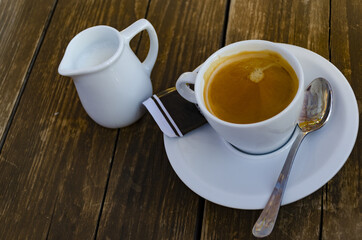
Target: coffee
{"points": [[249, 87]]}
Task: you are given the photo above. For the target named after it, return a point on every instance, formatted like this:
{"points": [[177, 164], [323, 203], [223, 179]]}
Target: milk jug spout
{"points": [[90, 51], [67, 66]]}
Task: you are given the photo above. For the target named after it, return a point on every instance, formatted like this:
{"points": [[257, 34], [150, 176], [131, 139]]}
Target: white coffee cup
{"points": [[255, 138], [111, 81]]}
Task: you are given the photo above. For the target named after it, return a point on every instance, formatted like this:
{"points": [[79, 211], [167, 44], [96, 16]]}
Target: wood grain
{"points": [[145, 198], [55, 162], [22, 25], [64, 177], [302, 23], [342, 208]]}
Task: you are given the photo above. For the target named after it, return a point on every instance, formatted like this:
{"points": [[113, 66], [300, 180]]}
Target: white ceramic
{"points": [[219, 173], [111, 81], [256, 138]]}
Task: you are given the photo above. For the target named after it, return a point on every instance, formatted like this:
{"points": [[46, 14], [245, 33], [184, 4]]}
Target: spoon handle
{"points": [[265, 223]]}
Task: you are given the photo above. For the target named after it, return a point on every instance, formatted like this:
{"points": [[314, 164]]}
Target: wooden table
{"points": [[62, 176]]}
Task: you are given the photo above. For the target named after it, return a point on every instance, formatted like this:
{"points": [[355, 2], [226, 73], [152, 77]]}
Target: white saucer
{"points": [[217, 172]]}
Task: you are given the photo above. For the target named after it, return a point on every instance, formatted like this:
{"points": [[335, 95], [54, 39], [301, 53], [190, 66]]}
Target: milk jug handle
{"points": [[138, 27]]}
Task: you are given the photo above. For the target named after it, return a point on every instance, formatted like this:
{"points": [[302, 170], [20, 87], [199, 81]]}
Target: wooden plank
{"points": [[22, 24], [342, 218], [145, 198], [56, 160], [295, 221], [303, 23]]}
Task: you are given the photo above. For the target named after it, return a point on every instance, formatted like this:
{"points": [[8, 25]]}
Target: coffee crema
{"points": [[249, 87]]}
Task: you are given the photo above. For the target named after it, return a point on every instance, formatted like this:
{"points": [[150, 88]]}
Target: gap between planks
{"points": [[201, 205], [115, 148], [27, 75]]}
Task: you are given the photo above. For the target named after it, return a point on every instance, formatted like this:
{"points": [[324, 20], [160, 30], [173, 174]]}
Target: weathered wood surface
{"points": [[145, 199], [19, 41], [300, 23], [342, 208], [64, 177]]}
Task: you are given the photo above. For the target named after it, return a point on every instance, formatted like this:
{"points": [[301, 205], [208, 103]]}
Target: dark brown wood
{"points": [[19, 39], [145, 198], [342, 218], [302, 23], [55, 161], [295, 221]]}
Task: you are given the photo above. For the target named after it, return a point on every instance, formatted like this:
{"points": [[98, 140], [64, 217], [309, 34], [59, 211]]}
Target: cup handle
{"points": [[138, 27], [183, 89]]}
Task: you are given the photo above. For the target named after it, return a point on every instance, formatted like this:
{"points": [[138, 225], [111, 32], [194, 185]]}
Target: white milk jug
{"points": [[110, 80]]}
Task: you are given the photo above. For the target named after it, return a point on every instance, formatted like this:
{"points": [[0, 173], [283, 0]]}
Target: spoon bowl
{"points": [[317, 105]]}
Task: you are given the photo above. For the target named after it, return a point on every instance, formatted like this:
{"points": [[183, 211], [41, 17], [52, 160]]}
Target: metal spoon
{"points": [[315, 113]]}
